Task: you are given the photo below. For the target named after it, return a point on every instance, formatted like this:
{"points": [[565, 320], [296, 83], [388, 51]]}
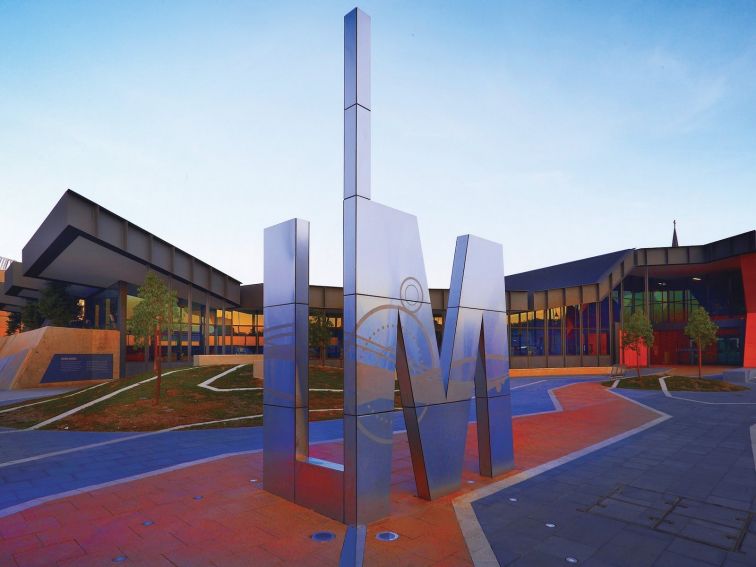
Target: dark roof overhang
{"points": [[84, 244]]}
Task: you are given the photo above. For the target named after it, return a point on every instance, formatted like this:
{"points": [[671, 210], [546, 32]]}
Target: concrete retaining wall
{"points": [[26, 357], [256, 360]]}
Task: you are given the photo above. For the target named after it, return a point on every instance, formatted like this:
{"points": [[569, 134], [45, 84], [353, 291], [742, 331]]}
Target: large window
{"points": [[555, 330], [527, 333], [572, 330]]}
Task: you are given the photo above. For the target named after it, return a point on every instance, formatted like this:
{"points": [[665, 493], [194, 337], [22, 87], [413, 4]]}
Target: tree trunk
{"points": [[157, 365], [700, 353]]}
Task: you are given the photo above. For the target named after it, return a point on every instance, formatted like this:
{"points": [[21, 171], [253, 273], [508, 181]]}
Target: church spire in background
{"points": [[674, 234]]}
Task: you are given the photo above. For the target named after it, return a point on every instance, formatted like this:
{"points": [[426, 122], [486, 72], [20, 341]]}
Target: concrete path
{"points": [[681, 493], [8, 397]]}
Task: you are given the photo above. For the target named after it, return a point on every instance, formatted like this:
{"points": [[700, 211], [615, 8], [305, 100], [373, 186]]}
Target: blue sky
{"points": [[560, 129]]}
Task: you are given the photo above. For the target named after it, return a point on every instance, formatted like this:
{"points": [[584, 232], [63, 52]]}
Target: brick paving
{"points": [[237, 523], [137, 454]]}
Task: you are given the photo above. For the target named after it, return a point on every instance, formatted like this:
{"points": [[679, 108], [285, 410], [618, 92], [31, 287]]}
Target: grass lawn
{"points": [[61, 403], [182, 402], [677, 383]]}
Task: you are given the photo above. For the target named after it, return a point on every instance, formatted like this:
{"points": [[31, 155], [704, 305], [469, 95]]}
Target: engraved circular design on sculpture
{"points": [[411, 294], [375, 348]]}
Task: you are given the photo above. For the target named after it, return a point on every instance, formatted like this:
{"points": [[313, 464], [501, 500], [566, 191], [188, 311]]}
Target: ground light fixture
{"points": [[323, 536], [387, 536]]}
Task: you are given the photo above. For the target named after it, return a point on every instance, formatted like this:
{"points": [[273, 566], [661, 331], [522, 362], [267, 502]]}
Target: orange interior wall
{"points": [[748, 269], [630, 359]]}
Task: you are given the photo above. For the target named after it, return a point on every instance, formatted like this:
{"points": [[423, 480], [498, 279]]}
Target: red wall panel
{"points": [[748, 269]]}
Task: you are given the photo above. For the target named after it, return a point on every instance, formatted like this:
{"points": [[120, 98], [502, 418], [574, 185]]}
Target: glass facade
{"points": [[561, 332], [579, 334]]}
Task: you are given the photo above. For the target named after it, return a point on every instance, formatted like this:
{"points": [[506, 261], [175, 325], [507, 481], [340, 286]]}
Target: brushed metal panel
{"points": [[495, 441], [477, 274], [286, 355], [367, 467], [389, 258], [496, 349], [284, 439], [357, 152], [357, 59], [286, 263], [350, 245], [437, 436], [418, 362], [460, 352], [320, 488], [370, 334]]}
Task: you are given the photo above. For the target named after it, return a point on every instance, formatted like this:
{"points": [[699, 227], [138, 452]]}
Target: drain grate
{"points": [[702, 522]]}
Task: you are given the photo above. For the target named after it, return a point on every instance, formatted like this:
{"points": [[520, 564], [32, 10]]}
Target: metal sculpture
{"points": [[389, 335]]}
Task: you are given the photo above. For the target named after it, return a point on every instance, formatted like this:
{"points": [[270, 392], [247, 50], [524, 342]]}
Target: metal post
{"points": [[206, 326], [223, 332], [122, 299], [190, 313]]}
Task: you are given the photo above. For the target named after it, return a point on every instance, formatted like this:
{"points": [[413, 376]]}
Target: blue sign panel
{"points": [[70, 367]]}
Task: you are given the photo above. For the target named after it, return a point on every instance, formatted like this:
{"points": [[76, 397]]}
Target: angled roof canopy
{"points": [[82, 243]]}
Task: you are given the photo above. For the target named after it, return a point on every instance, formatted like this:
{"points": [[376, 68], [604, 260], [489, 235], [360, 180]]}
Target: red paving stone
{"points": [[237, 523]]}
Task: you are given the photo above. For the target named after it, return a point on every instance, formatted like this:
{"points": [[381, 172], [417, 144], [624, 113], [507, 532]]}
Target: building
{"points": [[559, 316]]}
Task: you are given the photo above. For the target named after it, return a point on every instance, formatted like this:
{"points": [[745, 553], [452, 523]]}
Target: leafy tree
{"points": [[636, 333], [31, 317], [320, 332], [13, 324], [702, 330], [156, 313], [57, 306]]}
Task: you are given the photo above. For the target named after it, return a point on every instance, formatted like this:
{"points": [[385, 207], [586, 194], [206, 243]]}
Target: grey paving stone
{"points": [[669, 559], [698, 551], [562, 548], [539, 559]]}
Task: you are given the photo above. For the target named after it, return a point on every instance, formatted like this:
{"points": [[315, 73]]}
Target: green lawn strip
{"points": [[677, 383], [319, 377], [182, 402], [239, 378], [26, 417]]}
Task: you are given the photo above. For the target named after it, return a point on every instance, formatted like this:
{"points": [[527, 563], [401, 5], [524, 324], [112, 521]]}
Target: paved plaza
{"points": [[601, 478]]}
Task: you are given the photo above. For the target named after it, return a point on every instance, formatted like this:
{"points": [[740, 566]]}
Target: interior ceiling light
{"points": [[696, 279]]}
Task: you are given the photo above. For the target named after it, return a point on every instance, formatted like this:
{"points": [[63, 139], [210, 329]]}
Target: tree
{"points": [[702, 330], [13, 324], [636, 333], [31, 318], [320, 332], [56, 306], [155, 314]]}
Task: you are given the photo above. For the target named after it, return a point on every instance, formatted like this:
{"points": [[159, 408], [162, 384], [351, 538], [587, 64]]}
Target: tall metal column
{"points": [[365, 430]]}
